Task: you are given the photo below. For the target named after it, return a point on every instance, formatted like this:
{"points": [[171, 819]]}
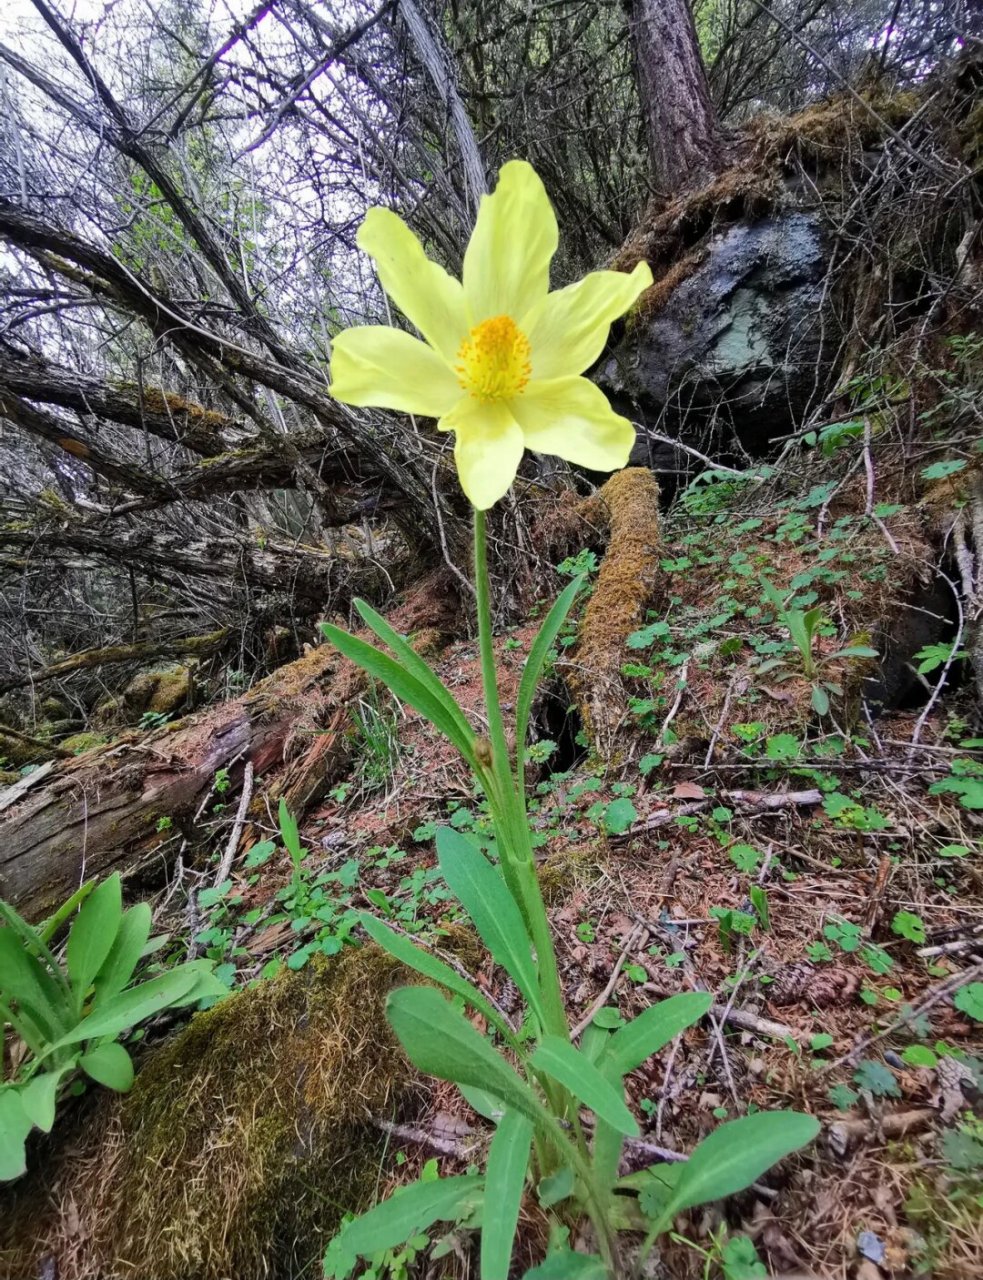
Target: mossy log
{"points": [[628, 507], [99, 812], [244, 1140]]}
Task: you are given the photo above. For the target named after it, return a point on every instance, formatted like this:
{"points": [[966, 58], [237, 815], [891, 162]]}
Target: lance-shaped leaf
{"points": [[133, 1006], [430, 967], [481, 891], [734, 1155], [505, 1177], [441, 1042], [127, 948], [15, 1125], [652, 1030], [407, 1212], [404, 685], [92, 935], [414, 664], [559, 1059]]}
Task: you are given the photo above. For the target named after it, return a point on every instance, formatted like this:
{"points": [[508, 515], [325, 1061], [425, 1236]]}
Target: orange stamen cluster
{"points": [[493, 360]]}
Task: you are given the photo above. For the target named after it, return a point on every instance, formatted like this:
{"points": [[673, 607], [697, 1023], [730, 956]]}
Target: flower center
{"points": [[493, 360]]}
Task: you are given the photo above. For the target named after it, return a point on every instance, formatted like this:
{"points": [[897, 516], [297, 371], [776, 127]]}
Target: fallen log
{"points": [[99, 812]]}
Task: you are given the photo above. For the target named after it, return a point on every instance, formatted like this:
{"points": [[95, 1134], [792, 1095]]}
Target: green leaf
{"points": [[854, 651], [132, 1007], [567, 1265], [290, 833], [423, 962], [92, 936], [481, 891], [39, 1096], [735, 1155], [407, 1212], [260, 854], [969, 1000], [124, 955], [441, 1042], [14, 1128], [908, 925], [415, 665], [405, 686], [484, 1103], [618, 816], [783, 746], [109, 1065], [876, 1078], [538, 652], [741, 1262], [652, 1030], [558, 1186], [919, 1055], [842, 1096], [26, 979], [939, 470], [505, 1177], [558, 1058]]}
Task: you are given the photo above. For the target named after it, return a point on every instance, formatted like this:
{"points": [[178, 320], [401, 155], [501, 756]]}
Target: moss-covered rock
{"points": [[163, 690], [243, 1142]]}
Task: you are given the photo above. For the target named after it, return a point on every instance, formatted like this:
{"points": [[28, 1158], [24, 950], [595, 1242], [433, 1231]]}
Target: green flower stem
{"points": [[512, 826]]}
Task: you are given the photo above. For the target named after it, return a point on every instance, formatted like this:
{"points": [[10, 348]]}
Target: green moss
{"points": [[244, 1140], [80, 742]]}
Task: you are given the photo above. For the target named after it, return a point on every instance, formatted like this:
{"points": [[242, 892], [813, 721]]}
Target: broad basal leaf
{"points": [[92, 936], [736, 1154], [109, 1065]]}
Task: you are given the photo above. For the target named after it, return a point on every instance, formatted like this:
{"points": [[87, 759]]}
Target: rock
{"points": [[738, 345]]}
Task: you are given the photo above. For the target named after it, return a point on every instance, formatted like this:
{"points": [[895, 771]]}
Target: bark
{"points": [[232, 368], [144, 408], [149, 650], [683, 137], [98, 813], [312, 577]]}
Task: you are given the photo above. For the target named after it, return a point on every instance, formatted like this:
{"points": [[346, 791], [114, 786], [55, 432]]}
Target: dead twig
{"points": [[225, 866]]}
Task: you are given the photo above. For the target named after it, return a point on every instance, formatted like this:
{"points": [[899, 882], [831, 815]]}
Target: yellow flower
{"points": [[501, 357]]}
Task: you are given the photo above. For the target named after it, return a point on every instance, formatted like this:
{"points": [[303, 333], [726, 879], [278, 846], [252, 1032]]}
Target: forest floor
{"points": [[819, 874]]}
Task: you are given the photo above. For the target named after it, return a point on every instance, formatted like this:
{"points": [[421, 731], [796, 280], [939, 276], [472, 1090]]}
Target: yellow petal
{"points": [[376, 365], [487, 448], [568, 329], [424, 292], [571, 419], [507, 262]]}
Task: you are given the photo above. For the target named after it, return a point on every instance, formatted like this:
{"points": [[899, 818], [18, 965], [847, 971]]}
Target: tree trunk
{"points": [[99, 812], [683, 136]]}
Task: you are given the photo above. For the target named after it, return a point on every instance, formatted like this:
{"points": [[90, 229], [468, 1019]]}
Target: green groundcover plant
{"points": [[500, 368], [68, 1015]]}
